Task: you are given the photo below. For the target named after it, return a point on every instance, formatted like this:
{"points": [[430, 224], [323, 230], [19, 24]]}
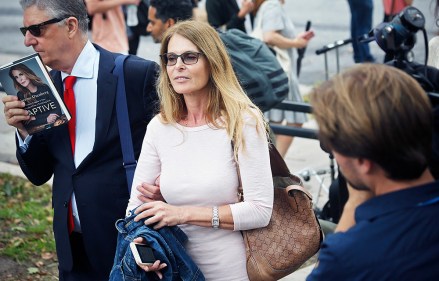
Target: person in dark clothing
{"points": [[229, 14], [361, 24], [89, 191], [135, 32], [377, 121]]}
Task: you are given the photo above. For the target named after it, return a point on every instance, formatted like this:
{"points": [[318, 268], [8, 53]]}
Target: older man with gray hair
{"points": [[84, 157]]}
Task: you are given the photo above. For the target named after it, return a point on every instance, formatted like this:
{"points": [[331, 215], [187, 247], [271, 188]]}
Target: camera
{"points": [[399, 35], [397, 38]]}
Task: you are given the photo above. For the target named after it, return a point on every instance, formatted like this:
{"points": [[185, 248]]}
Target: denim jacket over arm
{"points": [[167, 244]]}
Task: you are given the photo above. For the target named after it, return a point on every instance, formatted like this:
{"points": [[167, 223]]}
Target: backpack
{"points": [[258, 71]]}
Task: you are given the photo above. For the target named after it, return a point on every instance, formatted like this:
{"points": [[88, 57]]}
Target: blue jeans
{"points": [[361, 23], [167, 244]]}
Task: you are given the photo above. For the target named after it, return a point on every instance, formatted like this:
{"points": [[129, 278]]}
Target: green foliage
{"points": [[25, 219]]}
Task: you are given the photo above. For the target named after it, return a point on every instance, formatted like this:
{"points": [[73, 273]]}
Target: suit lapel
{"points": [[106, 96]]}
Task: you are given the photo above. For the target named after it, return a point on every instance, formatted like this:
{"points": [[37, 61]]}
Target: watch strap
{"points": [[215, 217]]}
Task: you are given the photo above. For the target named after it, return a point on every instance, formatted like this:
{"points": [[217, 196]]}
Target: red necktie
{"points": [[69, 100]]}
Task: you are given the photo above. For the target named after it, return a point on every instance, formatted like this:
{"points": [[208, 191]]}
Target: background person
{"points": [[433, 44], [86, 164], [108, 28], [387, 230], [361, 23], [28, 84], [230, 14], [203, 109], [393, 7], [162, 14], [135, 32], [278, 30]]}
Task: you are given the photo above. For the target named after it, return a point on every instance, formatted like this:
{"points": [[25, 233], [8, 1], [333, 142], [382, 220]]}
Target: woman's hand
{"points": [[150, 192], [160, 213], [156, 266], [275, 38], [307, 35], [303, 38]]}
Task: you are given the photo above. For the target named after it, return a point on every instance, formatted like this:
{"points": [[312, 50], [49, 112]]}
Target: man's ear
{"points": [[170, 22], [73, 25], [365, 165]]}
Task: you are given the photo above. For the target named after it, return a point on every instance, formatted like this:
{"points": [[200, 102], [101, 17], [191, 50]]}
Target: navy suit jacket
{"points": [[99, 182]]}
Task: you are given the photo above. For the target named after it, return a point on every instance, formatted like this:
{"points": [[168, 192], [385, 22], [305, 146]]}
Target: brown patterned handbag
{"points": [[293, 234]]}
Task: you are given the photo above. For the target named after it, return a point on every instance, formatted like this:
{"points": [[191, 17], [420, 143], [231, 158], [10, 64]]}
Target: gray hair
{"points": [[60, 9]]}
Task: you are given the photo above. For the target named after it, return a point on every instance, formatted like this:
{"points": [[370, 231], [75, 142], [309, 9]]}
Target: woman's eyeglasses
{"points": [[35, 29], [188, 58]]}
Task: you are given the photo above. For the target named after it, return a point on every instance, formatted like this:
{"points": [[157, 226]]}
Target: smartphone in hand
{"points": [[143, 254]]}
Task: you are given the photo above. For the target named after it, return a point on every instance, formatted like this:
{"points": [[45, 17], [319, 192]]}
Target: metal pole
{"points": [[337, 59], [326, 67]]}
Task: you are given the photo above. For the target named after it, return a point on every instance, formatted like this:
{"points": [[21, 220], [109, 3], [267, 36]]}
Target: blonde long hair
{"points": [[227, 99]]}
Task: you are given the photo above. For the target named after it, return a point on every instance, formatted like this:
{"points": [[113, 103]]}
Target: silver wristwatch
{"points": [[215, 217]]}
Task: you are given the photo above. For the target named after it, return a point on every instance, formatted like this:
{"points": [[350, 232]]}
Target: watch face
{"points": [[215, 222]]}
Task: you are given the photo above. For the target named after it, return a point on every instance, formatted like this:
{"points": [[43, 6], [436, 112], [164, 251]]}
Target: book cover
{"points": [[29, 80]]}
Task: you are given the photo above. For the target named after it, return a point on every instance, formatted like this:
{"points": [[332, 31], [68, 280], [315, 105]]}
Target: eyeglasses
{"points": [[188, 58], [35, 29]]}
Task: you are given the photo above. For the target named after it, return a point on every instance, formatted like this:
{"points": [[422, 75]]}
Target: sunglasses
{"points": [[35, 29], [187, 58]]}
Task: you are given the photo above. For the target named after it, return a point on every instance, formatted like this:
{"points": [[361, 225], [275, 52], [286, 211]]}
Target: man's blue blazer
{"points": [[99, 181]]}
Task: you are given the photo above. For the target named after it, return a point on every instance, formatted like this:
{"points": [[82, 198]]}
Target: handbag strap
{"points": [[123, 122], [298, 188], [278, 167]]}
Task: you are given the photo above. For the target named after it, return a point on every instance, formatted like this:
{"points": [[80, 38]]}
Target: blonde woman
{"points": [[203, 110]]}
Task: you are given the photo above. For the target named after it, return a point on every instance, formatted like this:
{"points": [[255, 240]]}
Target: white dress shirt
{"points": [[86, 70]]}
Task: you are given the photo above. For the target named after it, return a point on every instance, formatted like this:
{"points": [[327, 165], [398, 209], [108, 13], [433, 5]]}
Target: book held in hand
{"points": [[29, 80]]}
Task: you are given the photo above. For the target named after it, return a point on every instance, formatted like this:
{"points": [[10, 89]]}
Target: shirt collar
{"points": [[84, 65], [394, 201]]}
